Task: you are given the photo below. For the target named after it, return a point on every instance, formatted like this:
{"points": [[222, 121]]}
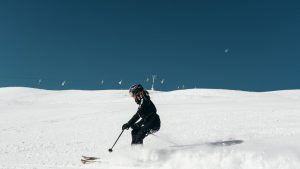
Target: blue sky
{"points": [[242, 45]]}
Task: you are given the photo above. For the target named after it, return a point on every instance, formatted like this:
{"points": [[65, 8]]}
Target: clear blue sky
{"points": [[244, 45]]}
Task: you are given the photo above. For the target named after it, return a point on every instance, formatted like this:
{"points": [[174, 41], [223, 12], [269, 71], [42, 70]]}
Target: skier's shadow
{"points": [[213, 144], [225, 143]]}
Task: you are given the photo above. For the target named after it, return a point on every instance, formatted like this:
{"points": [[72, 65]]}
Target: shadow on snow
{"points": [[213, 144]]}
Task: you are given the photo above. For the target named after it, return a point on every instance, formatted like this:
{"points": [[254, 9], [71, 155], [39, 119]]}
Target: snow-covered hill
{"points": [[201, 128]]}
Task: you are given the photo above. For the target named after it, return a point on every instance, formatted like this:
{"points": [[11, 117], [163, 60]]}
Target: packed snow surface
{"points": [[201, 129]]}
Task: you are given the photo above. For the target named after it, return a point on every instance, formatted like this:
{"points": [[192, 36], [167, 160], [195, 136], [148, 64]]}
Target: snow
{"points": [[201, 128]]}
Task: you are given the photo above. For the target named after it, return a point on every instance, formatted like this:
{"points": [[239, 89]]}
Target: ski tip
{"points": [[89, 157], [83, 161]]}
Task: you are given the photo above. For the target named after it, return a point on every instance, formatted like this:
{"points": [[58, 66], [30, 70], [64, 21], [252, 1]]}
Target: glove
{"points": [[125, 126]]}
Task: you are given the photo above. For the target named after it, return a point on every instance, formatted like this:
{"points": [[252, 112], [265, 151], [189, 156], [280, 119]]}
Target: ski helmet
{"points": [[136, 88]]}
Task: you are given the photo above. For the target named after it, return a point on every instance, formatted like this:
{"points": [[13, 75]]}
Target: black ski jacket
{"points": [[146, 111]]}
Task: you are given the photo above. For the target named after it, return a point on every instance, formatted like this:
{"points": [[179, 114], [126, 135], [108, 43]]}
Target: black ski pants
{"points": [[151, 125]]}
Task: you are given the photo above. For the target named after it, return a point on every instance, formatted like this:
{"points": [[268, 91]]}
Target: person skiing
{"points": [[149, 119]]}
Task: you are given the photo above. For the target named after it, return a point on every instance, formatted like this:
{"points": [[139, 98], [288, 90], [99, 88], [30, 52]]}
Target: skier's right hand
{"points": [[125, 126]]}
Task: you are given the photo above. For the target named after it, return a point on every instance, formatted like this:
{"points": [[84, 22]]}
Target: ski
{"points": [[90, 158], [84, 161]]}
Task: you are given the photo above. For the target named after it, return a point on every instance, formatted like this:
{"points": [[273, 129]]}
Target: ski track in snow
{"points": [[201, 128]]}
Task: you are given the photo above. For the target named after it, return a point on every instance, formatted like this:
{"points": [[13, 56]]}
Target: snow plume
{"points": [[206, 155], [201, 129]]}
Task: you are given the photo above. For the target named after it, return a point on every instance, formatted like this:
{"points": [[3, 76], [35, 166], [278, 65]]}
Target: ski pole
{"points": [[110, 150]]}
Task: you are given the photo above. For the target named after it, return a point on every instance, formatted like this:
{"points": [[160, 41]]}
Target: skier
{"points": [[149, 120]]}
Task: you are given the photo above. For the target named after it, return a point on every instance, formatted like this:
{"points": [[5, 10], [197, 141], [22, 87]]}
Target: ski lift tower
{"points": [[153, 80]]}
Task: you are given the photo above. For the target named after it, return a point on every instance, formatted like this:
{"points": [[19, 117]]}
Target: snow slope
{"points": [[201, 128]]}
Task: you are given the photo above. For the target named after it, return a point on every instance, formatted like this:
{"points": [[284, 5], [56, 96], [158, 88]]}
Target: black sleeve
{"points": [[143, 106], [133, 119], [140, 112]]}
